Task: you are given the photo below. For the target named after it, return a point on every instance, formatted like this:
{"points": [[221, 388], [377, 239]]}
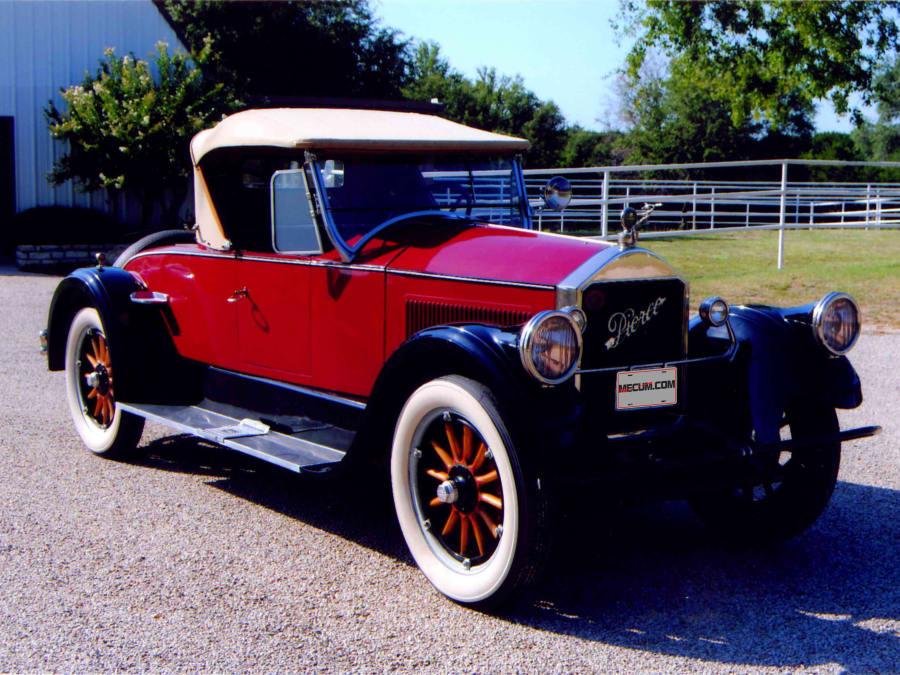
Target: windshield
{"points": [[363, 192]]}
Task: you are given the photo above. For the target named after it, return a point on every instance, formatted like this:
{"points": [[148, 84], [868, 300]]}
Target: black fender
{"points": [[144, 359], [778, 365], [539, 417]]}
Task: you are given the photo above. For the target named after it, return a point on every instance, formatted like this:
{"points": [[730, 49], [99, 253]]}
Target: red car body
{"points": [[366, 285]]}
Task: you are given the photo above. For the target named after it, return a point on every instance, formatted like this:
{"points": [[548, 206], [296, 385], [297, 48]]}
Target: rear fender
{"points": [[144, 360]]}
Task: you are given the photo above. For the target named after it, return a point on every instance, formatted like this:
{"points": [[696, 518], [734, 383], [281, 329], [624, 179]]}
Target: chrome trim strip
{"points": [[351, 266], [155, 298], [568, 290], [297, 388], [491, 282]]}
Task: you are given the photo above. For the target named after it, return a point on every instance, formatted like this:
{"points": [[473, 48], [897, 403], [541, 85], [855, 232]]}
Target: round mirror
{"points": [[557, 193], [629, 219]]}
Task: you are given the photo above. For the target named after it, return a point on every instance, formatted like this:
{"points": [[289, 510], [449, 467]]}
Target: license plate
{"points": [[652, 388]]}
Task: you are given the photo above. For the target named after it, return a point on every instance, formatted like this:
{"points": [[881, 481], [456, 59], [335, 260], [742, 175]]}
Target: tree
{"points": [[491, 102], [758, 55], [592, 148], [129, 127], [673, 116], [327, 48]]}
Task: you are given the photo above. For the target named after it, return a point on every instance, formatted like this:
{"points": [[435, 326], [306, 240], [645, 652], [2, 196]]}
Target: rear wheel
{"points": [[793, 497], [90, 390], [471, 523]]}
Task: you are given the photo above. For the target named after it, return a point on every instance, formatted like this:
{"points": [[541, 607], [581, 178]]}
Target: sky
{"points": [[565, 50]]}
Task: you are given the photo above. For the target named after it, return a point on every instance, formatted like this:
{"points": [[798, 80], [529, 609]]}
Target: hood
{"points": [[499, 253]]}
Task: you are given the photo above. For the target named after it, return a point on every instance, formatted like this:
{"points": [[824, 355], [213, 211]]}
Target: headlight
{"points": [[550, 346], [836, 322], [713, 311]]}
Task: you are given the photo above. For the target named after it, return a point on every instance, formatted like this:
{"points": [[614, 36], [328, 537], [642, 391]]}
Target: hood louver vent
{"points": [[420, 314]]}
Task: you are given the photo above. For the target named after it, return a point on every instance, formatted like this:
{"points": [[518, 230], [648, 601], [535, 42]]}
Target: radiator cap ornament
{"points": [[628, 236]]}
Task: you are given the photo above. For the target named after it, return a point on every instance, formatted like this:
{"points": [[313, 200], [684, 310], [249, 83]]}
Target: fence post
{"points": [[694, 208], [868, 203], [811, 207], [604, 205], [878, 207], [747, 217], [712, 208], [784, 171]]}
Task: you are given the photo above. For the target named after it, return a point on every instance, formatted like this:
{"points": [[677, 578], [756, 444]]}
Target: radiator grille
{"points": [[421, 314]]}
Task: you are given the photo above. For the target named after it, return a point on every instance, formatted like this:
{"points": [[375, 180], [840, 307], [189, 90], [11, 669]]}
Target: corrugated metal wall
{"points": [[46, 45]]}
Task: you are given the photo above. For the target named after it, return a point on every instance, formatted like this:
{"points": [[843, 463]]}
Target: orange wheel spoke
{"points": [[479, 458], [439, 475], [451, 523], [92, 360], [463, 535], [467, 444], [453, 441], [98, 406], [491, 525], [493, 500], [435, 502], [489, 477], [445, 458], [92, 393], [95, 346], [476, 530], [104, 356]]}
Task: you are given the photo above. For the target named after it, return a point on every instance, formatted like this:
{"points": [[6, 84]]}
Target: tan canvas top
{"points": [[331, 128]]}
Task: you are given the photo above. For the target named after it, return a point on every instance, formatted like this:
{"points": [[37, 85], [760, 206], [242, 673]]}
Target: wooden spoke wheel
{"points": [[459, 489], [90, 389], [792, 492], [471, 523]]}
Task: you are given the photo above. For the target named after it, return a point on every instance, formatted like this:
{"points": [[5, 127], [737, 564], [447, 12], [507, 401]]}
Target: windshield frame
{"points": [[348, 252]]}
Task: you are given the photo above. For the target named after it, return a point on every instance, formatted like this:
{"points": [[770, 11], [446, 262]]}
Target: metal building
{"points": [[45, 46]]}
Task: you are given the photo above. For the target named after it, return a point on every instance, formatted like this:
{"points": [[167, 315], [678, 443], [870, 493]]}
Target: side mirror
{"points": [[557, 193]]}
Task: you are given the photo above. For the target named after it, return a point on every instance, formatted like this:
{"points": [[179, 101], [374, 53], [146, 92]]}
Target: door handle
{"points": [[239, 294]]}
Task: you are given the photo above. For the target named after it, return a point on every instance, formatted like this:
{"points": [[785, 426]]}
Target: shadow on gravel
{"points": [[651, 578]]}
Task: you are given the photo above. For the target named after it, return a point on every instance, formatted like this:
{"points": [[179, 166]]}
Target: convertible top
{"points": [[336, 128]]}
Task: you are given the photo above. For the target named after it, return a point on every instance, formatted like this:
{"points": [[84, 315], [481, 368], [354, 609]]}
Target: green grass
{"points": [[743, 268]]}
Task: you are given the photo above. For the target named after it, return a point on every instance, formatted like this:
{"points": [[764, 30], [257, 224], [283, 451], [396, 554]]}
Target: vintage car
{"points": [[364, 292]]}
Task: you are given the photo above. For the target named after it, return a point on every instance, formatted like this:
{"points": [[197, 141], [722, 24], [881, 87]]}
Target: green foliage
{"points": [[129, 127], [676, 117], [326, 48], [492, 102], [592, 148], [759, 55]]}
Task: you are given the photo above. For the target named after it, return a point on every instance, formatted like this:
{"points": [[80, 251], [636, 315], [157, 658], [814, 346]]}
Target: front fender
{"points": [[537, 416], [779, 365]]}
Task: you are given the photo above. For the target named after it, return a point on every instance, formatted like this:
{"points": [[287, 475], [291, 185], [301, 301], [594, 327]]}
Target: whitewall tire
{"points": [[459, 492], [90, 390]]}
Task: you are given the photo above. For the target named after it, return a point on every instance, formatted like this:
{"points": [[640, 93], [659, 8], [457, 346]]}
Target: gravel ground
{"points": [[195, 558]]}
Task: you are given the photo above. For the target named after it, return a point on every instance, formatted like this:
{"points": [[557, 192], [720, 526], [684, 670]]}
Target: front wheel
{"points": [[472, 524], [798, 489], [104, 427]]}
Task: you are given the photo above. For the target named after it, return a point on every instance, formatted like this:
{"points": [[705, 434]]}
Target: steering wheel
{"points": [[464, 197]]}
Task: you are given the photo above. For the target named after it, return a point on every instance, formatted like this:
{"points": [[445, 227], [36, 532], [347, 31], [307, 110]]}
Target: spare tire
{"points": [[162, 238]]}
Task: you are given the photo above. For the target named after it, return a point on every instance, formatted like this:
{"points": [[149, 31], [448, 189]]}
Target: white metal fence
{"points": [[690, 206]]}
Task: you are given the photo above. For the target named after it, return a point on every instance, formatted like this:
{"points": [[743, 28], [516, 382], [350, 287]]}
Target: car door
{"points": [[272, 293]]}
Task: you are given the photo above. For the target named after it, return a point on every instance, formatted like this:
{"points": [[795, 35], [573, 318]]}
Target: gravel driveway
{"points": [[195, 558]]}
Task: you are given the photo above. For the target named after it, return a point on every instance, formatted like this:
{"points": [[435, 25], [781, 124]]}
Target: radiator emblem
{"points": [[624, 324]]}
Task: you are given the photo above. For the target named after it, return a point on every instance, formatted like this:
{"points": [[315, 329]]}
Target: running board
{"points": [[316, 449]]}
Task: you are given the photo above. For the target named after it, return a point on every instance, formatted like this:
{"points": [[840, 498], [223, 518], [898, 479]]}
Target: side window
{"points": [[293, 226]]}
